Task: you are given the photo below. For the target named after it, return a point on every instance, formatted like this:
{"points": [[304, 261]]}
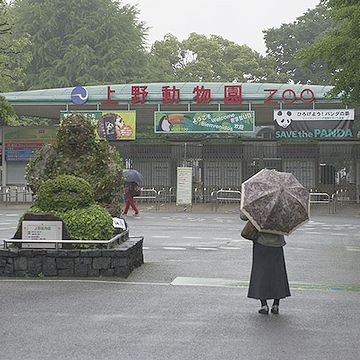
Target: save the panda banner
{"points": [[322, 123]]}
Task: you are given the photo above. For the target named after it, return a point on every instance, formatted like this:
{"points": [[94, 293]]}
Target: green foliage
{"points": [[201, 58], [283, 43], [37, 170], [81, 41], [90, 223], [35, 121], [63, 193], [14, 55], [77, 152], [76, 135], [72, 199], [7, 113], [339, 49]]}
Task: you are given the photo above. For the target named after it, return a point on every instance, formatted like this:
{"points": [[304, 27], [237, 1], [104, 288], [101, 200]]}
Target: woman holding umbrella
{"points": [[275, 203], [131, 188], [268, 279]]}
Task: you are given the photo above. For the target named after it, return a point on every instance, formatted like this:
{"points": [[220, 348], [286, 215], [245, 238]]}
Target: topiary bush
{"points": [[79, 152], [91, 223], [66, 192], [72, 199]]}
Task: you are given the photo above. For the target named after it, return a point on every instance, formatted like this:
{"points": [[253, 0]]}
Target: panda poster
{"points": [[314, 123], [110, 125]]}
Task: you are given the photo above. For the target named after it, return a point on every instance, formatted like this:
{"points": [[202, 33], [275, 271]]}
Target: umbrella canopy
{"points": [[275, 202], [132, 175]]}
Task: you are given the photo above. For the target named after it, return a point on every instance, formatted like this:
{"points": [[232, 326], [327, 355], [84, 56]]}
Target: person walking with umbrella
{"points": [[131, 188], [275, 204]]}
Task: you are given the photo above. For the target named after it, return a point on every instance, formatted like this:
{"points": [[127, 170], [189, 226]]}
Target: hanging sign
{"points": [[333, 123], [204, 122], [110, 125]]}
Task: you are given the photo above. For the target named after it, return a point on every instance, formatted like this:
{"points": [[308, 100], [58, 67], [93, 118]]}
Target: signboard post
{"points": [[41, 230], [184, 186]]}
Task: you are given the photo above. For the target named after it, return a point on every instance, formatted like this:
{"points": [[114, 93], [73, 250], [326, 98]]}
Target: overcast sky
{"points": [[241, 21]]}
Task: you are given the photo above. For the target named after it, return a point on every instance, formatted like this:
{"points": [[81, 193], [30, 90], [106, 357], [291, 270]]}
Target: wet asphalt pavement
{"points": [[188, 301]]}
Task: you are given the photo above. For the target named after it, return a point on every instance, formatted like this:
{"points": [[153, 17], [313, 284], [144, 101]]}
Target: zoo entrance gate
{"points": [[326, 167]]}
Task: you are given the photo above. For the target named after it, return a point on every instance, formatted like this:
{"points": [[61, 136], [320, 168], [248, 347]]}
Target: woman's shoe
{"points": [[264, 310], [275, 309]]}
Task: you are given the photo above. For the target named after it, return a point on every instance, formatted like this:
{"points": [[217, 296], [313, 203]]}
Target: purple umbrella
{"points": [[132, 175]]}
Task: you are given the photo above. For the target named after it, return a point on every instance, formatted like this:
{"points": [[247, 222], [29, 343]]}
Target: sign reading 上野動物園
{"points": [[204, 122], [110, 125], [41, 230], [317, 123]]}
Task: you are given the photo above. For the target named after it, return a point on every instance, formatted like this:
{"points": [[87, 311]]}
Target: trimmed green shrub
{"points": [[76, 135], [90, 223], [72, 199], [78, 152], [63, 193]]}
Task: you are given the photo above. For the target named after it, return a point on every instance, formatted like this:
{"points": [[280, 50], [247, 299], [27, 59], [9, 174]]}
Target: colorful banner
{"points": [[21, 150], [110, 125], [204, 122], [21, 143], [302, 124]]}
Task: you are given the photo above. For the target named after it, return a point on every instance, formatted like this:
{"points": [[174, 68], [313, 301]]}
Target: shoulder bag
{"points": [[250, 232]]}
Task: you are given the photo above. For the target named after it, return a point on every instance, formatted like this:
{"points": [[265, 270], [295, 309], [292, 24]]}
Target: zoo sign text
{"points": [[232, 94], [289, 96]]}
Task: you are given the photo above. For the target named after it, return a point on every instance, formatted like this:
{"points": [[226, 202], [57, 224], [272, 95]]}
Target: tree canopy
{"points": [[88, 42], [213, 58], [340, 49], [80, 41], [283, 43], [7, 113], [13, 54]]}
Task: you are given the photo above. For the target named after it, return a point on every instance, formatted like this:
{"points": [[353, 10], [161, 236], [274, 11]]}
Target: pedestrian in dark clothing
{"points": [[131, 189], [268, 279]]}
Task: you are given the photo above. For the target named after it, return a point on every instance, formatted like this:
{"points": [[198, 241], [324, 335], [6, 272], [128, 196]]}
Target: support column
{"points": [[3, 162], [357, 182]]}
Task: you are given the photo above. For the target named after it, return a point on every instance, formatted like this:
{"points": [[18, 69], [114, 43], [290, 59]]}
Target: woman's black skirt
{"points": [[268, 278]]}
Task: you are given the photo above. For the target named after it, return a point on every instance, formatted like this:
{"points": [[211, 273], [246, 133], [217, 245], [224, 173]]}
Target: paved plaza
{"points": [[189, 299]]}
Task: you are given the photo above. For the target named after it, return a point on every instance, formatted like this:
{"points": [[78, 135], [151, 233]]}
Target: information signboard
{"points": [[184, 186], [41, 230]]}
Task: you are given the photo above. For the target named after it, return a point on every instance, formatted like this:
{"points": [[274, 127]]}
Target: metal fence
{"points": [[15, 195], [322, 167], [327, 167]]}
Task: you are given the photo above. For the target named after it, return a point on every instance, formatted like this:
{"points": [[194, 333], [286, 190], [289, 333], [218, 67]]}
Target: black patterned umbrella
{"points": [[275, 202]]}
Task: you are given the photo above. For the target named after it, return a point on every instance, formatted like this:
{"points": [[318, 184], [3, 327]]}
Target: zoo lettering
{"points": [[316, 133], [232, 95], [289, 96]]}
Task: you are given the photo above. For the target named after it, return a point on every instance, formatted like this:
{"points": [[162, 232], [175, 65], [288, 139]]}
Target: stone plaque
{"points": [[41, 230]]}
